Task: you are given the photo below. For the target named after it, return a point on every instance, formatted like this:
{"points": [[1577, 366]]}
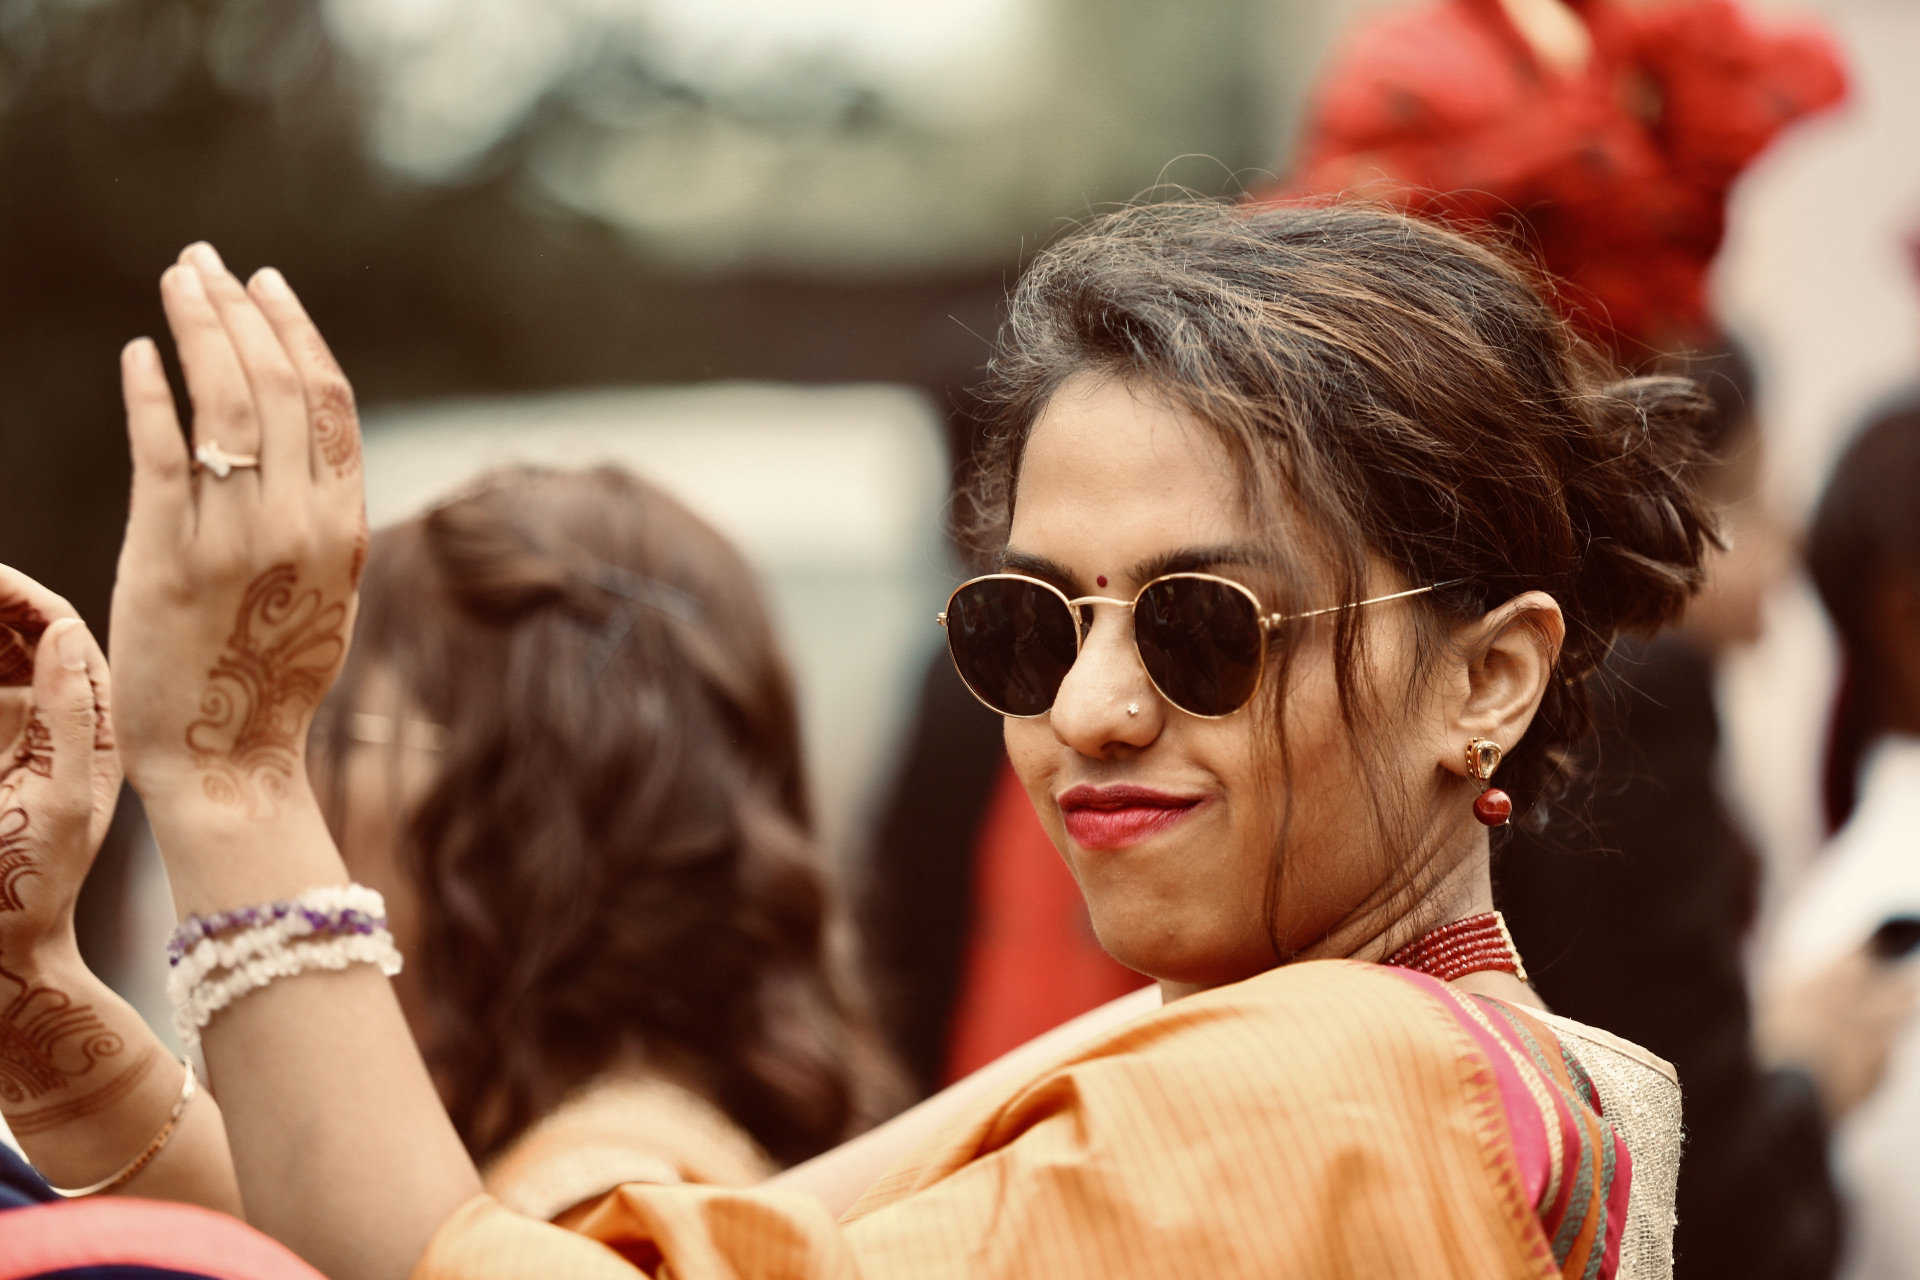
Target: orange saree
{"points": [[1322, 1119]]}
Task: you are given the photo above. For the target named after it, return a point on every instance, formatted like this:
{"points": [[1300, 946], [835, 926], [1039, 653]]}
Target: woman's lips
{"points": [[1115, 817]]}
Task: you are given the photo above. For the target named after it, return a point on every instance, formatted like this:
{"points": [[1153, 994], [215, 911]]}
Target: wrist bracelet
{"points": [[153, 1148], [212, 953], [330, 927], [211, 995], [332, 908]]}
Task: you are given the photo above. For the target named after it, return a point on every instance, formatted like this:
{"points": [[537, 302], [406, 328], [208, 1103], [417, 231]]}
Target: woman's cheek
{"points": [[1032, 750]]}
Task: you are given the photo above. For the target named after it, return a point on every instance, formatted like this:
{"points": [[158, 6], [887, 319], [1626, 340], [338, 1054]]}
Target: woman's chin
{"points": [[1147, 943]]}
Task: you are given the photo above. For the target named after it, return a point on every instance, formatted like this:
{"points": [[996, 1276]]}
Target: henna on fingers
{"points": [[336, 422], [336, 429], [285, 645], [35, 752], [102, 723], [16, 857], [21, 626]]}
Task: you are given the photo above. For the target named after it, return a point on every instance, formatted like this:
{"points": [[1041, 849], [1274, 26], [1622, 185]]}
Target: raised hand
{"points": [[59, 780], [235, 594], [27, 611], [231, 616], [83, 1081]]}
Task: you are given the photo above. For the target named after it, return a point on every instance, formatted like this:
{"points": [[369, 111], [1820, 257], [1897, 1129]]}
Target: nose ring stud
{"points": [[1133, 708]]}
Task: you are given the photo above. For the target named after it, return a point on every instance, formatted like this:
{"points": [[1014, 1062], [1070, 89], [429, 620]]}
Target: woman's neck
{"points": [[1377, 930]]}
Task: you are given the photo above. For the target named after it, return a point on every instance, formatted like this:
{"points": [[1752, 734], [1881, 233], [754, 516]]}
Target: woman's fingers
{"points": [[335, 434], [279, 398], [64, 703], [226, 425], [336, 424], [27, 609], [162, 509]]}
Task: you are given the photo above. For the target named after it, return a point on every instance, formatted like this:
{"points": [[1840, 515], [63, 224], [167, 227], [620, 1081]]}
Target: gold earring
{"points": [[1493, 807]]}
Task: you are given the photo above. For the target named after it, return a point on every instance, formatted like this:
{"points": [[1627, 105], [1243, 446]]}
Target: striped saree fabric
{"points": [[1324, 1119]]}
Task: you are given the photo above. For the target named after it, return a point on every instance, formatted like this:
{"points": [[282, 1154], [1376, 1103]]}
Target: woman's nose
{"points": [[1107, 703]]}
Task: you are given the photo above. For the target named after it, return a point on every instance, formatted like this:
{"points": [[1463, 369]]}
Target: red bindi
{"points": [[1100, 581]]}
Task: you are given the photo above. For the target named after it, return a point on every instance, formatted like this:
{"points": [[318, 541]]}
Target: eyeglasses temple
{"points": [[1274, 619]]}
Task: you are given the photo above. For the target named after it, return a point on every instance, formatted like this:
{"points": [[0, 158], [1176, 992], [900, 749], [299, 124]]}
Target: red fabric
{"points": [[1617, 174], [108, 1230], [1032, 961]]}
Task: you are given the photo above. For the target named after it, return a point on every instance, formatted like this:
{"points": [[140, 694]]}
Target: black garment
{"points": [[917, 900], [1634, 923], [20, 1183]]}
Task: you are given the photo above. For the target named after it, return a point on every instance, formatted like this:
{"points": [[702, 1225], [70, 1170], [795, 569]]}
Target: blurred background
{"points": [[518, 221], [755, 248]]}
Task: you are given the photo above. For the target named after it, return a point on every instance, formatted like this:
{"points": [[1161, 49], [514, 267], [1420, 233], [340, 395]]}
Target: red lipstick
{"points": [[1118, 816]]}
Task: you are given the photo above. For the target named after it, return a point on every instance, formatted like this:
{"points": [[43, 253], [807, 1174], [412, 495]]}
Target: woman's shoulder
{"points": [[1287, 1042], [626, 1126], [1371, 1059], [1332, 1002], [1586, 1099], [1272, 1110]]}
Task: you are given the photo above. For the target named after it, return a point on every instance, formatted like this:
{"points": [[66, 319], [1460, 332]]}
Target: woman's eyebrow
{"points": [[1012, 561], [1178, 560], [1196, 559]]}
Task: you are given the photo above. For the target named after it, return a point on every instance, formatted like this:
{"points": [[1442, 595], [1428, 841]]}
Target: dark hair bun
{"points": [[1638, 505]]}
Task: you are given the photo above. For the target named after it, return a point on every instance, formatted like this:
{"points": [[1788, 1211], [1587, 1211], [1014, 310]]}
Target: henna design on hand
{"points": [[46, 1039], [41, 1119], [16, 860], [21, 626], [35, 753], [284, 647], [336, 423], [336, 429]]}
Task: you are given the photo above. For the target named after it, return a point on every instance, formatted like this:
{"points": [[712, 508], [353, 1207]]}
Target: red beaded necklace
{"points": [[1477, 944]]}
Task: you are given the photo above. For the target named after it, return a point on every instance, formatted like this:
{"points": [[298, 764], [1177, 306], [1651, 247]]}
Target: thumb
{"points": [[63, 702]]}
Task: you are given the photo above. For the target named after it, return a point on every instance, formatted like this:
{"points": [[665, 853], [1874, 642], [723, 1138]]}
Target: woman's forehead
{"points": [[1111, 479]]}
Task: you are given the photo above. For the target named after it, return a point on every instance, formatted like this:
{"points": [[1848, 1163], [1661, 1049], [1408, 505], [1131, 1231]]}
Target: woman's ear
{"points": [[1507, 658]]}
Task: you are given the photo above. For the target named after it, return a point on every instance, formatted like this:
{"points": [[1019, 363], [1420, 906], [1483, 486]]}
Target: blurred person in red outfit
{"points": [[1606, 134]]}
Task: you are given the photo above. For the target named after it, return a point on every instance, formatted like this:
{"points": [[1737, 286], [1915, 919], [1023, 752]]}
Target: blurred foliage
{"points": [[129, 128]]}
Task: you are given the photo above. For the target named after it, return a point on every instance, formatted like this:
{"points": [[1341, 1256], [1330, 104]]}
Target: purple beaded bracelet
{"points": [[332, 909]]}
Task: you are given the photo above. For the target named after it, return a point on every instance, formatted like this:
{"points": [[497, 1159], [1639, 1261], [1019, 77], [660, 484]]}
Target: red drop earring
{"points": [[1492, 806]]}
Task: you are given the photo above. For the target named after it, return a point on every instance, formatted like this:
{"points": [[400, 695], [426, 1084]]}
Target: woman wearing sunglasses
{"points": [[1309, 524]]}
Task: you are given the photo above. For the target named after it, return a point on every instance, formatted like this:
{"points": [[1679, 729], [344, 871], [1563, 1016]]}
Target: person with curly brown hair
{"points": [[566, 749]]}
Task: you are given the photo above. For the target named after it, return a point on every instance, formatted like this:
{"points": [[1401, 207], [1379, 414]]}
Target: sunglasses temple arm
{"points": [[1274, 619]]}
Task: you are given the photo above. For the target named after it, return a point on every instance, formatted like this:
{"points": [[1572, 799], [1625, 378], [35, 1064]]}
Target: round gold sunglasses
{"points": [[1202, 638]]}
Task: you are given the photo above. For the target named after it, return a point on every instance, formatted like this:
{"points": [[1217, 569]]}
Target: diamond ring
{"points": [[221, 463]]}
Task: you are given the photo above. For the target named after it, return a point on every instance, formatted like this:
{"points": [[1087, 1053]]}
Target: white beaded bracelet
{"points": [[210, 995], [210, 954], [329, 904]]}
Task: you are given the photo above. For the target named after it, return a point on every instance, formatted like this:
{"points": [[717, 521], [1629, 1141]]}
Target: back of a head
{"points": [[1864, 536], [615, 858], [1393, 390]]}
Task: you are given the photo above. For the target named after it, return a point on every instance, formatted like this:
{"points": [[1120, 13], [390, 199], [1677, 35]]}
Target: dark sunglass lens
{"points": [[1013, 642], [1201, 642]]}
